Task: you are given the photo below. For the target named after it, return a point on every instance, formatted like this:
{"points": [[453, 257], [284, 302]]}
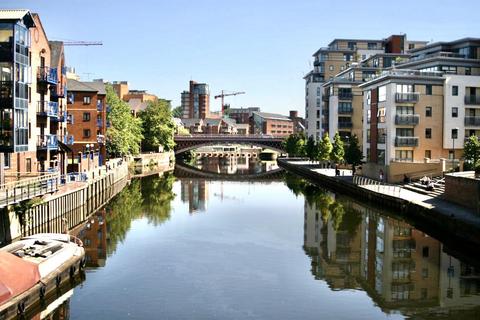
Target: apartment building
{"points": [[87, 106], [423, 108], [195, 103], [340, 55], [32, 93], [271, 124]]}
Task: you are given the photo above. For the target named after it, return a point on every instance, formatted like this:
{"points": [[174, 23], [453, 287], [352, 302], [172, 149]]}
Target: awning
{"points": [[64, 147]]}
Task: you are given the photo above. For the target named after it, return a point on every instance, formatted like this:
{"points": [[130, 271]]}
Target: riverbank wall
{"points": [[435, 220]]}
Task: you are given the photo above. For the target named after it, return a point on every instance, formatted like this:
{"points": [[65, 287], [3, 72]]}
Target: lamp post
{"points": [[454, 136]]}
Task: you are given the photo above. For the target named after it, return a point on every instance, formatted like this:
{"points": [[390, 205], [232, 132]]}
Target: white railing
{"points": [[377, 186]]}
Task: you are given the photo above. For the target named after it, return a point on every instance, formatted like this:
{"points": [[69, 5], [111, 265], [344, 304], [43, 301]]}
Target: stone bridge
{"points": [[185, 143]]}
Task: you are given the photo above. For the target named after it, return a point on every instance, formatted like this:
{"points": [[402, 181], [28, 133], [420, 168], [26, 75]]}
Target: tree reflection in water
{"points": [[148, 197]]}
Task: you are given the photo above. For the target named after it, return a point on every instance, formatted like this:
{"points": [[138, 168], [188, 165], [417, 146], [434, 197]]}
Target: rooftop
{"points": [[17, 14], [275, 116]]}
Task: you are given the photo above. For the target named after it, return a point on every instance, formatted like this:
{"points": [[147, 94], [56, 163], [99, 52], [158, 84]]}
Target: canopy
{"points": [[16, 276]]}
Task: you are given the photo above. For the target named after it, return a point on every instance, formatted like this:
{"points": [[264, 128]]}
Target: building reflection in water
{"points": [[94, 237], [235, 165], [195, 193], [401, 268]]}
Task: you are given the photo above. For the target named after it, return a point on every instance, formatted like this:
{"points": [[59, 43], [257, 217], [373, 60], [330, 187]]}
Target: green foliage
{"points": [[22, 207], [158, 126], [338, 153], [125, 132], [471, 152], [294, 144], [182, 131], [177, 112], [324, 148], [311, 148], [353, 154]]}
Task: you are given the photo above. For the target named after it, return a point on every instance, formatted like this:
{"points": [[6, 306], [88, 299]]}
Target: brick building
{"points": [[270, 123], [196, 102]]}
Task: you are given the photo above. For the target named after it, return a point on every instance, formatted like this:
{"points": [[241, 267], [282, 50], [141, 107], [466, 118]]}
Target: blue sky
{"points": [[262, 47]]}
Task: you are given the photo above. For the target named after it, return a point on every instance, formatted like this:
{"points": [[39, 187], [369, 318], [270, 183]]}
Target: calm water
{"points": [[185, 248]]}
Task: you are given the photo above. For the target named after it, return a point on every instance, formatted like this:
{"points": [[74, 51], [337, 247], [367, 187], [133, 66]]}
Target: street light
{"points": [[454, 136]]}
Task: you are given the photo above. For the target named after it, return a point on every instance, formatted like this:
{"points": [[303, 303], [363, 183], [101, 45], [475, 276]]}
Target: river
{"points": [[181, 246]]}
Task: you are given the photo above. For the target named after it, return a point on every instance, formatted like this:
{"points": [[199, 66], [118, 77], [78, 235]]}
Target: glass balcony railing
{"points": [[472, 99], [345, 96], [47, 142], [406, 141], [345, 110], [472, 121], [99, 106], [407, 119], [344, 125], [68, 140], [406, 97], [99, 123], [47, 108], [48, 75]]}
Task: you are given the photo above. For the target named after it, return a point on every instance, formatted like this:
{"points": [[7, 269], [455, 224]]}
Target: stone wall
{"points": [[462, 188]]}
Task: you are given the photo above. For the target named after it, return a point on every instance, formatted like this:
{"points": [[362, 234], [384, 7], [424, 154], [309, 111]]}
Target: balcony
{"points": [[100, 138], [62, 116], [6, 94], [344, 125], [406, 141], [99, 123], [58, 91], [345, 96], [326, 97], [47, 108], [345, 110], [48, 75], [472, 99], [47, 142], [410, 97], [407, 119], [99, 106], [472, 121], [68, 140]]}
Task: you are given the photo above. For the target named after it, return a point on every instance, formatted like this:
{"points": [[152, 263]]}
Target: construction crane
{"points": [[82, 43], [223, 95]]}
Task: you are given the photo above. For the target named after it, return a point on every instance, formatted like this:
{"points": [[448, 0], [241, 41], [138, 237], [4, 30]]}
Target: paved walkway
{"points": [[440, 205]]}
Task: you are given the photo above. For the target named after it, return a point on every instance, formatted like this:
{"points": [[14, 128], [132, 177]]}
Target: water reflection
{"points": [[195, 193], [234, 165], [402, 269]]}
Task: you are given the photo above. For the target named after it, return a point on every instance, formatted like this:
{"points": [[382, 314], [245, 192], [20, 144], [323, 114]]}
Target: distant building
{"points": [[87, 107], [196, 102], [137, 99], [298, 122], [241, 115], [270, 123]]}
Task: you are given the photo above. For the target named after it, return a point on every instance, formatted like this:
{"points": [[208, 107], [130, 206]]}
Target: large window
{"points": [[428, 89], [428, 111], [454, 112], [404, 88], [404, 132], [382, 93], [454, 90], [405, 110], [86, 116], [404, 155], [428, 133]]}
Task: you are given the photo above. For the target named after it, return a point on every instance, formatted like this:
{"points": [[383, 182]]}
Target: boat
{"points": [[35, 266]]}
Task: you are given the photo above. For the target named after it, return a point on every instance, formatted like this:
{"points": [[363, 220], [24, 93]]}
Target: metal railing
{"points": [[99, 123], [99, 106], [472, 99], [345, 125], [16, 191], [47, 108], [407, 119], [345, 110], [377, 186], [472, 121], [48, 141], [406, 97], [345, 96], [47, 74], [406, 141]]}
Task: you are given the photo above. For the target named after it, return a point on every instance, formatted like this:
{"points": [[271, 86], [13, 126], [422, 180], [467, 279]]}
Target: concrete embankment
{"points": [[439, 218]]}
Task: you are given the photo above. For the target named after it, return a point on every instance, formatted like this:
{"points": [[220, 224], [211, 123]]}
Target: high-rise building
{"points": [[422, 109], [340, 55], [196, 102]]}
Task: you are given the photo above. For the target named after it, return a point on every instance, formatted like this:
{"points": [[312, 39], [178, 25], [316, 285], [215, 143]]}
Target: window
{"points": [[454, 112], [318, 125], [352, 45], [404, 132], [86, 133], [428, 133], [86, 116], [451, 154], [454, 90], [318, 113], [87, 100], [404, 88], [331, 67], [411, 46], [428, 89], [455, 133], [6, 157], [425, 252], [428, 154], [318, 91], [468, 71], [371, 45], [424, 273], [404, 155], [382, 93], [29, 164], [318, 102], [428, 111]]}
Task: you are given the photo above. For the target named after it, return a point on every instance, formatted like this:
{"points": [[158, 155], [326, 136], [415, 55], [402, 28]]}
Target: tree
{"points": [[125, 132], [294, 144], [471, 152], [158, 126], [324, 148], [177, 112], [310, 148], [338, 153], [353, 154]]}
